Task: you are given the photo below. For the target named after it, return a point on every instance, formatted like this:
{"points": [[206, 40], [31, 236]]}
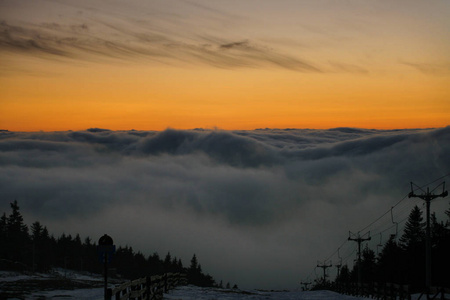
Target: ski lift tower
{"points": [[427, 197]]}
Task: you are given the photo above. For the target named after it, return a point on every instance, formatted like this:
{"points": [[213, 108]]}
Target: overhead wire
{"points": [[402, 213], [396, 204]]}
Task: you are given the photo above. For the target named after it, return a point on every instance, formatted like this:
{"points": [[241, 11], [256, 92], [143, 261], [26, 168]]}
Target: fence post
{"points": [[165, 282], [147, 287]]}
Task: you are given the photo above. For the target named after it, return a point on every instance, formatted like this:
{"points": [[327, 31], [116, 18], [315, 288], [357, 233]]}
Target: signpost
{"points": [[105, 250]]}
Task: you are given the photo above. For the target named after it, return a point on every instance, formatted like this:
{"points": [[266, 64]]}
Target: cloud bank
{"points": [[250, 204]]}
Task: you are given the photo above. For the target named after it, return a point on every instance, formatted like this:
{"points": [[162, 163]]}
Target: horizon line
{"points": [[99, 129]]}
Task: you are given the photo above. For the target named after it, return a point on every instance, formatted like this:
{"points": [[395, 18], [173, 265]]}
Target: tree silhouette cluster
{"points": [[403, 261], [35, 249]]}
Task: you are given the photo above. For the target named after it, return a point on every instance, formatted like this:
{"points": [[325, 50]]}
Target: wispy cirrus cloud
{"points": [[430, 68], [103, 39]]}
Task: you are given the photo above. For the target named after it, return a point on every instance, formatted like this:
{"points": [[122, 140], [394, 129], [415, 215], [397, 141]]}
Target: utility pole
{"points": [[428, 196], [324, 266], [357, 238]]}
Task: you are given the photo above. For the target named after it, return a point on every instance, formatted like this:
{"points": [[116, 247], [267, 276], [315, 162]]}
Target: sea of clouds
{"points": [[258, 207]]}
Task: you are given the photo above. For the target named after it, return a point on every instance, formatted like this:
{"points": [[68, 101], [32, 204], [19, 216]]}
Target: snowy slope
{"points": [[9, 280], [59, 283], [192, 292], [197, 293], [22, 289]]}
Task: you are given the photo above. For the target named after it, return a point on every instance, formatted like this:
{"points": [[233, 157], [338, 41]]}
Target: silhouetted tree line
{"points": [[33, 248], [403, 261]]}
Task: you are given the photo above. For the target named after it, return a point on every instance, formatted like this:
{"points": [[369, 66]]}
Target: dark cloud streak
{"points": [[97, 36], [430, 68]]}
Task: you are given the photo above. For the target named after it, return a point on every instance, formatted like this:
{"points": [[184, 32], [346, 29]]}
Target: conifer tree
{"points": [[438, 231], [36, 238], [413, 243], [3, 236], [344, 275], [440, 238], [193, 271], [368, 265], [168, 262], [196, 276], [390, 263], [414, 232], [194, 263], [17, 235], [180, 265], [40, 251]]}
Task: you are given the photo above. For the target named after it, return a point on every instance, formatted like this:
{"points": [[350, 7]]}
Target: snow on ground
{"points": [[197, 293], [16, 280], [58, 283], [192, 293], [10, 276], [85, 294]]}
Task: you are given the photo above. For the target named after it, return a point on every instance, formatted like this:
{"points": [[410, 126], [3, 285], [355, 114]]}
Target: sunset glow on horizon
{"points": [[228, 65], [258, 135]]}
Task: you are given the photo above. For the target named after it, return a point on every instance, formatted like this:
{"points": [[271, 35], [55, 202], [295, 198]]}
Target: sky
{"points": [[182, 126], [259, 208], [235, 65]]}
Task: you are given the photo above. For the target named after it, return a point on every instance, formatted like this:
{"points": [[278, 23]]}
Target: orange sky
{"points": [[369, 72]]}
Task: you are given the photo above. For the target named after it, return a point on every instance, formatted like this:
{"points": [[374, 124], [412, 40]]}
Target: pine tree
{"points": [[438, 231], [3, 236], [168, 262], [155, 264], [77, 253], [174, 265], [15, 220], [413, 244], [194, 263], [36, 231], [36, 238], [17, 236], [414, 232], [440, 238], [368, 265], [90, 256], [180, 265], [196, 276], [344, 275], [193, 273], [390, 267]]}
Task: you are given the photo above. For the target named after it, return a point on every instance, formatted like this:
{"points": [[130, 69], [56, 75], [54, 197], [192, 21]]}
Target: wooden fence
{"points": [[390, 291], [148, 288], [438, 293]]}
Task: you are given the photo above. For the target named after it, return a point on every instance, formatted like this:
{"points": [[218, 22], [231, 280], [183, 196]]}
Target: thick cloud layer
{"points": [[259, 208]]}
